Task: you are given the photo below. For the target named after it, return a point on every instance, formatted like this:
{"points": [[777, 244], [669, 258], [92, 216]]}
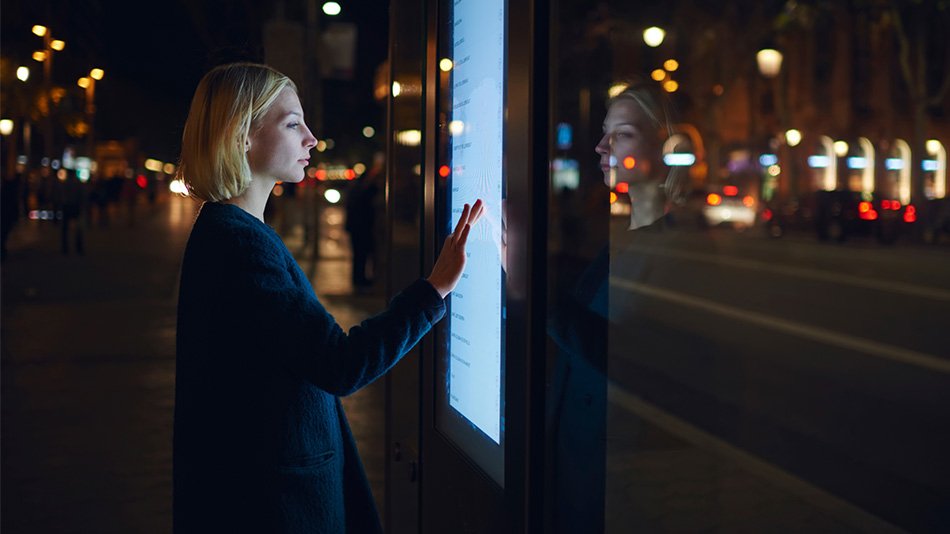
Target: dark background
{"points": [[155, 52]]}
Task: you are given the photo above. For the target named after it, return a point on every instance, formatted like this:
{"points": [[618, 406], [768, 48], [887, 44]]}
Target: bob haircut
{"points": [[658, 109], [229, 101]]}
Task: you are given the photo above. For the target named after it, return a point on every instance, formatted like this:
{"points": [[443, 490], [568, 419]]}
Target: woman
{"points": [[261, 440]]}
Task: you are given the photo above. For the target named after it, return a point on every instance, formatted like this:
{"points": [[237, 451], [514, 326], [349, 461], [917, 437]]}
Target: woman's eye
{"points": [[293, 125]]}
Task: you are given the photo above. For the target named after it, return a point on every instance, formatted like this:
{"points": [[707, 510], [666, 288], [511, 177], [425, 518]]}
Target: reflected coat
{"points": [[261, 442]]}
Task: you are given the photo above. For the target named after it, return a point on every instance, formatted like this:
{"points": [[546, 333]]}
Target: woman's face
{"points": [[630, 148], [278, 148]]}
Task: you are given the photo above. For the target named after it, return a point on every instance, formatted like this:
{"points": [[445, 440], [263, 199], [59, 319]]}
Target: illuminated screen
{"points": [[476, 128]]}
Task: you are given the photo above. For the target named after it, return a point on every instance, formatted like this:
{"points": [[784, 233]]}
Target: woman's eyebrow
{"points": [[621, 124]]}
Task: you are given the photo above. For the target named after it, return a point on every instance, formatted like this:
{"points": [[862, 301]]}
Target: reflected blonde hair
{"points": [[229, 101]]}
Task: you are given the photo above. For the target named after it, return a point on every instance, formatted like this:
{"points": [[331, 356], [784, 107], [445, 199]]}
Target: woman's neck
{"points": [[254, 199], [647, 204]]}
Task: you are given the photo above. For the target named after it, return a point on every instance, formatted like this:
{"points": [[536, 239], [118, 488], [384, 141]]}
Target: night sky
{"points": [[154, 52]]}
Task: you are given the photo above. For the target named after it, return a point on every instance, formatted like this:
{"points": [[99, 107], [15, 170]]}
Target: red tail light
{"points": [[730, 190], [886, 204], [713, 199], [910, 214], [866, 212], [623, 187], [766, 215], [748, 201]]}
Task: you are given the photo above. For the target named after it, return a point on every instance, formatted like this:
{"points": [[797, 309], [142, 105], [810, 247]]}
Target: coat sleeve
{"points": [[306, 339]]}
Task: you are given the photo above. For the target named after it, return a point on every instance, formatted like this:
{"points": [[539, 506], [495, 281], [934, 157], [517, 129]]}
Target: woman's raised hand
{"points": [[448, 268]]}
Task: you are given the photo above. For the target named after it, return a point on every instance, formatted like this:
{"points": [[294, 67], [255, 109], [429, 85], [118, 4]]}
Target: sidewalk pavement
{"points": [[87, 377]]}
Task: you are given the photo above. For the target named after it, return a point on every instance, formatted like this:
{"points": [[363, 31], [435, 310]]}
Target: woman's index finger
{"points": [[462, 220]]}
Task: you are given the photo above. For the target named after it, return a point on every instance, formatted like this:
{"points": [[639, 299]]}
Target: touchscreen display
{"points": [[476, 323]]}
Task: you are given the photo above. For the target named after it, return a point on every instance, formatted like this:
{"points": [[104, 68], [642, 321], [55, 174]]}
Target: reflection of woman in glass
{"points": [[636, 128]]}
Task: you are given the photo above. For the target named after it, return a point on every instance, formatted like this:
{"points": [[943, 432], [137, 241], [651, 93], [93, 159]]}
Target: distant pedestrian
{"points": [[71, 199], [10, 208], [261, 443], [361, 225]]}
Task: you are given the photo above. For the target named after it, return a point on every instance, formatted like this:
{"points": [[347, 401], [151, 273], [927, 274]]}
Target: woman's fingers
{"points": [[463, 220], [463, 237], [477, 212], [470, 215]]}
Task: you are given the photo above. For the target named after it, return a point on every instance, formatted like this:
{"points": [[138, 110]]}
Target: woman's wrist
{"points": [[439, 288]]}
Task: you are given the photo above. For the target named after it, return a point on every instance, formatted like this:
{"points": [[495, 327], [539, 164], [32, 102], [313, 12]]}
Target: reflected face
{"points": [[278, 147], [630, 146]]}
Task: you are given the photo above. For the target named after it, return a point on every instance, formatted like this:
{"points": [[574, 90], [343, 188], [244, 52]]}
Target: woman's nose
{"points": [[603, 147], [310, 141]]}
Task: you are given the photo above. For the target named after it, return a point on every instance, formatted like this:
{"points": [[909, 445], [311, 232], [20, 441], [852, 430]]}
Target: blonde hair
{"points": [[228, 103]]}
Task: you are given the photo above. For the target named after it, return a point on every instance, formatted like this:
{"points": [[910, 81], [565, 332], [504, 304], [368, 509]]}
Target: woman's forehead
{"points": [[624, 110], [287, 102]]}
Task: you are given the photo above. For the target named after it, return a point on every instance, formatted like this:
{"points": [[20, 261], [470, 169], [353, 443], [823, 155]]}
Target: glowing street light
{"points": [[397, 88], [83, 82], [653, 36], [39, 30], [369, 132], [96, 74], [445, 65], [6, 126], [39, 55], [769, 61], [671, 65], [57, 45], [331, 8], [841, 148], [23, 73], [793, 137]]}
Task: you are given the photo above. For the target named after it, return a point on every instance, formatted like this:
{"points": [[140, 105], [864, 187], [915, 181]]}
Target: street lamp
{"points": [[653, 36], [23, 73], [769, 61], [46, 57], [89, 84]]}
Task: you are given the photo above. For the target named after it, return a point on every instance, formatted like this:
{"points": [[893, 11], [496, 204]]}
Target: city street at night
{"points": [[607, 267], [826, 363], [89, 373]]}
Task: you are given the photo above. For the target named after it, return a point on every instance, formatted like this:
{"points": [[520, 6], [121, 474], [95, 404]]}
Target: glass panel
{"points": [[749, 267]]}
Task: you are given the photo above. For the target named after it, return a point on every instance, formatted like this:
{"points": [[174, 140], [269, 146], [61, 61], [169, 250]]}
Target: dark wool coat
{"points": [[261, 443]]}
